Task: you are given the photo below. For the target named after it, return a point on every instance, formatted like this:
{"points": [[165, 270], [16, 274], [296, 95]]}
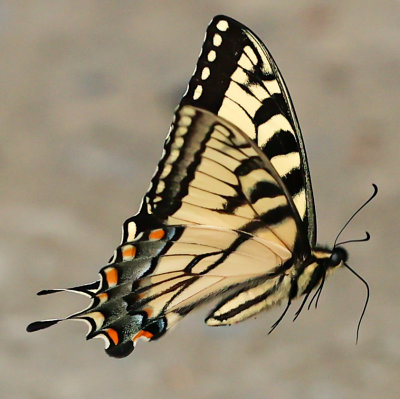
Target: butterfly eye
{"points": [[339, 254]]}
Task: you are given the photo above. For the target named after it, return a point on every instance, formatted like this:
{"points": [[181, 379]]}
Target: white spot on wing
{"points": [[173, 156], [160, 187], [181, 131], [166, 171], [185, 120], [205, 73], [217, 40], [212, 55], [188, 111], [222, 25], [197, 92], [131, 231], [178, 142]]}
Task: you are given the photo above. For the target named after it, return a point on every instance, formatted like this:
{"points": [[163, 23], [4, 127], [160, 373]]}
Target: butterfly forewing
{"points": [[237, 79]]}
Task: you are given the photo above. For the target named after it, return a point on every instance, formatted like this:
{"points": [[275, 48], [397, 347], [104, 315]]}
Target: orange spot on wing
{"points": [[103, 297], [111, 276], [113, 335], [148, 311], [129, 252], [144, 334], [157, 234]]}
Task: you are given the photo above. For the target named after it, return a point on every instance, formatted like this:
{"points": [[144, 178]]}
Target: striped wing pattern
{"points": [[229, 210], [237, 79], [212, 174]]}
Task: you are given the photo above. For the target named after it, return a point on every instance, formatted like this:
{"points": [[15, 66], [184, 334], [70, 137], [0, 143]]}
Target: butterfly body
{"points": [[229, 213]]}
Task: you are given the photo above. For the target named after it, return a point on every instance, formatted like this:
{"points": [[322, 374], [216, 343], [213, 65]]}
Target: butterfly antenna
{"points": [[366, 299], [357, 211], [358, 240]]}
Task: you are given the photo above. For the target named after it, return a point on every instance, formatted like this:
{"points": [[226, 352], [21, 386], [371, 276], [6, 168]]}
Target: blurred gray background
{"points": [[87, 92]]}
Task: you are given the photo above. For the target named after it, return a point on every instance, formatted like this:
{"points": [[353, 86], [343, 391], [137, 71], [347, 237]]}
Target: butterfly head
{"points": [[329, 259], [338, 256]]}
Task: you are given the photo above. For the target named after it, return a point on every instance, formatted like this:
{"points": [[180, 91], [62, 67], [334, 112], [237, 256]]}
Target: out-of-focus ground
{"points": [[87, 92]]}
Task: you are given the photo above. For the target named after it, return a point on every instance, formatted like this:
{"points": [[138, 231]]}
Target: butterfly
{"points": [[229, 213]]}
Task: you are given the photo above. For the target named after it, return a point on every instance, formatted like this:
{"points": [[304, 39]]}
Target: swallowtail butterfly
{"points": [[229, 213]]}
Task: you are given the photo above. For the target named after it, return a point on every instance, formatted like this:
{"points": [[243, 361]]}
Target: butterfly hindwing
{"points": [[157, 279]]}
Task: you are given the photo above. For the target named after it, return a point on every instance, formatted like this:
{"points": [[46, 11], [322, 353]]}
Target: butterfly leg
{"points": [[317, 294], [280, 318], [296, 315]]}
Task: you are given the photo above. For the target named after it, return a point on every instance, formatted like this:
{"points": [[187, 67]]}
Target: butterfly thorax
{"points": [[321, 263]]}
